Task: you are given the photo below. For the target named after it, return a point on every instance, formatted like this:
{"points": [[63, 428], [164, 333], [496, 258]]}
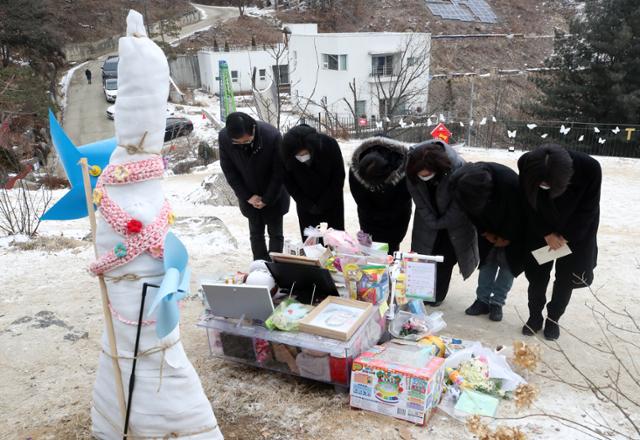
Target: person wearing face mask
{"points": [[440, 226], [489, 193], [378, 186], [314, 176], [562, 193], [251, 163]]}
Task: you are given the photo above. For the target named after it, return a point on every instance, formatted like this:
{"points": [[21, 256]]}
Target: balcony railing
{"points": [[382, 71]]}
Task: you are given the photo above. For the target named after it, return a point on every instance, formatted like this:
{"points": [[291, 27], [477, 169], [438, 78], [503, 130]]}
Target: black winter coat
{"points": [[318, 185], [256, 169], [384, 209], [575, 214], [503, 216]]}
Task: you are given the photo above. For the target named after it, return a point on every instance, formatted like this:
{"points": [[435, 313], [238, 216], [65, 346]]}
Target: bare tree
{"points": [[241, 5], [401, 78]]}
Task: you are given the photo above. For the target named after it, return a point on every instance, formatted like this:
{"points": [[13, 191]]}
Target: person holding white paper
{"points": [[489, 193], [562, 191]]}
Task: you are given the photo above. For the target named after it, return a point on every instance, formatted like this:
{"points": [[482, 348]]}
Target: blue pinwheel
{"points": [[174, 286], [73, 205]]}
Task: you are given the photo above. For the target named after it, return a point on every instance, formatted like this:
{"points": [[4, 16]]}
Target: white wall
{"points": [[305, 65], [243, 62]]}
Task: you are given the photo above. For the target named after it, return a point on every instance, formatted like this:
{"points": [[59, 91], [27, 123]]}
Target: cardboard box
{"points": [[400, 381]]}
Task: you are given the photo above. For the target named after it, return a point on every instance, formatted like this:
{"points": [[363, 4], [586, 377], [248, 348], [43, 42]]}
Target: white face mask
{"points": [[426, 178], [304, 158], [545, 187]]}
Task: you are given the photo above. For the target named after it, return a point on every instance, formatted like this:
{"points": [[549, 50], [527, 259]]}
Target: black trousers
{"points": [[563, 285], [444, 247], [256, 234]]}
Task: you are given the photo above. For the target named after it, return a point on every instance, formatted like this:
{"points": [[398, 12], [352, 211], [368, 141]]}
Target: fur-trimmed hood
{"points": [[379, 142]]}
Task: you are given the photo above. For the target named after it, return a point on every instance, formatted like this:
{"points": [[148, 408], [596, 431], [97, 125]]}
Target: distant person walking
{"points": [[87, 73], [251, 163]]}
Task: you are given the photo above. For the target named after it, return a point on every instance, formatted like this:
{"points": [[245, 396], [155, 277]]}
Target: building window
{"points": [[281, 74], [234, 76], [382, 65], [263, 74], [361, 108], [412, 61], [334, 62]]}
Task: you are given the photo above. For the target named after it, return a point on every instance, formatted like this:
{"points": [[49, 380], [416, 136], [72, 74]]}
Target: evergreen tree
{"points": [[598, 62]]}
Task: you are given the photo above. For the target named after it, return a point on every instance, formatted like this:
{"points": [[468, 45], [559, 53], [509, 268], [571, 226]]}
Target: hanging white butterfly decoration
{"points": [[511, 134], [565, 130], [544, 136], [484, 121], [581, 138], [531, 126], [442, 118], [461, 124], [596, 129], [616, 130], [471, 123], [379, 125], [493, 119], [429, 122], [413, 124], [601, 141], [402, 123]]}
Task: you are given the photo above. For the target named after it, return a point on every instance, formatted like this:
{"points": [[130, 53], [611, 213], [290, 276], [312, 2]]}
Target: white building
{"points": [[241, 65], [384, 65], [390, 71]]}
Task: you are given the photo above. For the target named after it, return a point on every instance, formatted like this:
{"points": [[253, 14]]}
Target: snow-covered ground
{"points": [[50, 325], [64, 83]]}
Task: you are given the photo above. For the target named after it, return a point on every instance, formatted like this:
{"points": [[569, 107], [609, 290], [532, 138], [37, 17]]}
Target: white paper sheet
{"points": [[421, 280], [545, 254]]}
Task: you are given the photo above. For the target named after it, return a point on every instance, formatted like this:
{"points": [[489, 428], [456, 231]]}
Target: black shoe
{"points": [[478, 308], [433, 303], [495, 314], [533, 326], [551, 330]]}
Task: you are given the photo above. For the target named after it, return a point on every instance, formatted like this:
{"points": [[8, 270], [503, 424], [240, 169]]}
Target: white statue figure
{"points": [[168, 399]]}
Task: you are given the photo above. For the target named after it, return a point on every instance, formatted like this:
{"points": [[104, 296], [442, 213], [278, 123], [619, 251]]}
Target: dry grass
{"points": [[49, 244]]}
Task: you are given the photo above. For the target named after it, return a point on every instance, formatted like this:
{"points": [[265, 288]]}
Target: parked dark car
{"points": [[110, 68], [177, 127]]}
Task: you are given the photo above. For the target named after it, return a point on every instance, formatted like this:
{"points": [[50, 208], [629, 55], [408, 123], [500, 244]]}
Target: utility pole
{"points": [[146, 18], [470, 110]]}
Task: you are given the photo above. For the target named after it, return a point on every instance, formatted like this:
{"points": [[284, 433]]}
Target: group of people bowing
{"points": [[480, 214]]}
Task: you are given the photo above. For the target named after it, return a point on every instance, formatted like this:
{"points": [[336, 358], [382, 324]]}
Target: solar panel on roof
{"points": [[464, 10]]}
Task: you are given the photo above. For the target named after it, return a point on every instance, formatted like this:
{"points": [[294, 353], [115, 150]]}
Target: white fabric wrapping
{"points": [[143, 88], [175, 403]]}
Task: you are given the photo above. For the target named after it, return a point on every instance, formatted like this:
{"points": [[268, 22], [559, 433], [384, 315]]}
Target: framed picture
{"points": [[277, 257], [336, 318]]}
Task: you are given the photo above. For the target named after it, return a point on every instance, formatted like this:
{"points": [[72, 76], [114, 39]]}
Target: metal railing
{"points": [[621, 140]]}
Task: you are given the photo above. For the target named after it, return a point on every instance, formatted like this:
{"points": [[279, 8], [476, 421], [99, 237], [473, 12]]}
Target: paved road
{"points": [[85, 117]]}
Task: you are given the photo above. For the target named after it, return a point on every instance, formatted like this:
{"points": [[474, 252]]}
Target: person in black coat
{"points": [[314, 176], [489, 193], [378, 185], [251, 163], [562, 191]]}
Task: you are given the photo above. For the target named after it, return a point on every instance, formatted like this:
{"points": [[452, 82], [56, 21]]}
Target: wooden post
{"points": [[103, 290]]}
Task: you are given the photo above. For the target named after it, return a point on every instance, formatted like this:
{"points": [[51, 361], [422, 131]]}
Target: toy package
{"points": [[402, 381], [368, 282], [286, 316]]}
